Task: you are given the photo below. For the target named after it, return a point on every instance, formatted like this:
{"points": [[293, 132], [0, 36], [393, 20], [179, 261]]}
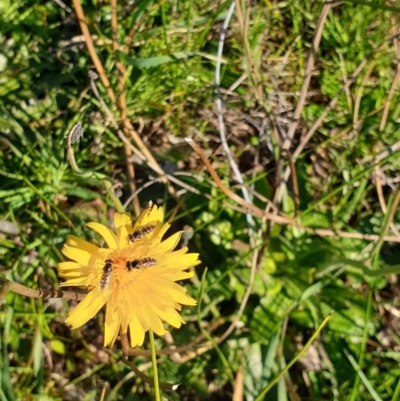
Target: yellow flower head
{"points": [[135, 276]]}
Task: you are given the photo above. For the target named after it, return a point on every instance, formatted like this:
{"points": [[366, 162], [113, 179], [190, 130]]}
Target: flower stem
{"points": [[154, 363]]}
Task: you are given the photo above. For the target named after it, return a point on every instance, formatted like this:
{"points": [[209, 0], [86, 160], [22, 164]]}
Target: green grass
{"points": [[170, 95]]}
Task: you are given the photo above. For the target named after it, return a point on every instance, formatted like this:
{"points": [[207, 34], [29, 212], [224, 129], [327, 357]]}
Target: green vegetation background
{"points": [[170, 93]]}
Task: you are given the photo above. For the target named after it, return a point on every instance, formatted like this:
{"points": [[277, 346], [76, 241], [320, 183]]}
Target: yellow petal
{"points": [[125, 308], [72, 270], [150, 215], [179, 295], [108, 235], [111, 327], [163, 230], [122, 234], [177, 260], [157, 213], [66, 266], [170, 316], [123, 226], [76, 281], [82, 313], [78, 273], [122, 219], [155, 294], [154, 322], [168, 245], [136, 332], [80, 243], [174, 276], [79, 255], [142, 319]]}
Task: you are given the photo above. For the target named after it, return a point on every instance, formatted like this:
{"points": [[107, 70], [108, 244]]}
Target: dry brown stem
{"points": [[7, 285], [121, 104], [280, 219], [122, 101]]}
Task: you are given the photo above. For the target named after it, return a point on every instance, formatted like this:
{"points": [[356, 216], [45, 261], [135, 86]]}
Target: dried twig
{"points": [[387, 221], [122, 101], [147, 379], [134, 28], [7, 285], [307, 75], [254, 209], [396, 44], [243, 24], [304, 141], [194, 344], [93, 76], [232, 163], [138, 372], [127, 125], [92, 51], [381, 197], [281, 219]]}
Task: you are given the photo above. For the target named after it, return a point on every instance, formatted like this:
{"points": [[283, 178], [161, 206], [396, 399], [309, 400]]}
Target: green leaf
{"points": [[160, 60], [58, 347], [258, 366], [37, 351]]}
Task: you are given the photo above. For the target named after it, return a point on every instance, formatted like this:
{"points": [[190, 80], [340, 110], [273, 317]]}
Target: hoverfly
{"points": [[141, 232], [106, 276], [138, 263]]}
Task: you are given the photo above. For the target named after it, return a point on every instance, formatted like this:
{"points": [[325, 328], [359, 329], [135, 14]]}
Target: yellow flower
{"points": [[134, 276]]}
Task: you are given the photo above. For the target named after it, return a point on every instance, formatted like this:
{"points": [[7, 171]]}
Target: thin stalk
{"points": [[361, 359], [262, 394], [396, 392], [154, 363]]}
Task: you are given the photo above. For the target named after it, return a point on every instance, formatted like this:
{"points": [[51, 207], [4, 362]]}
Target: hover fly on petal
{"points": [[139, 263], [141, 232], [106, 276]]}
